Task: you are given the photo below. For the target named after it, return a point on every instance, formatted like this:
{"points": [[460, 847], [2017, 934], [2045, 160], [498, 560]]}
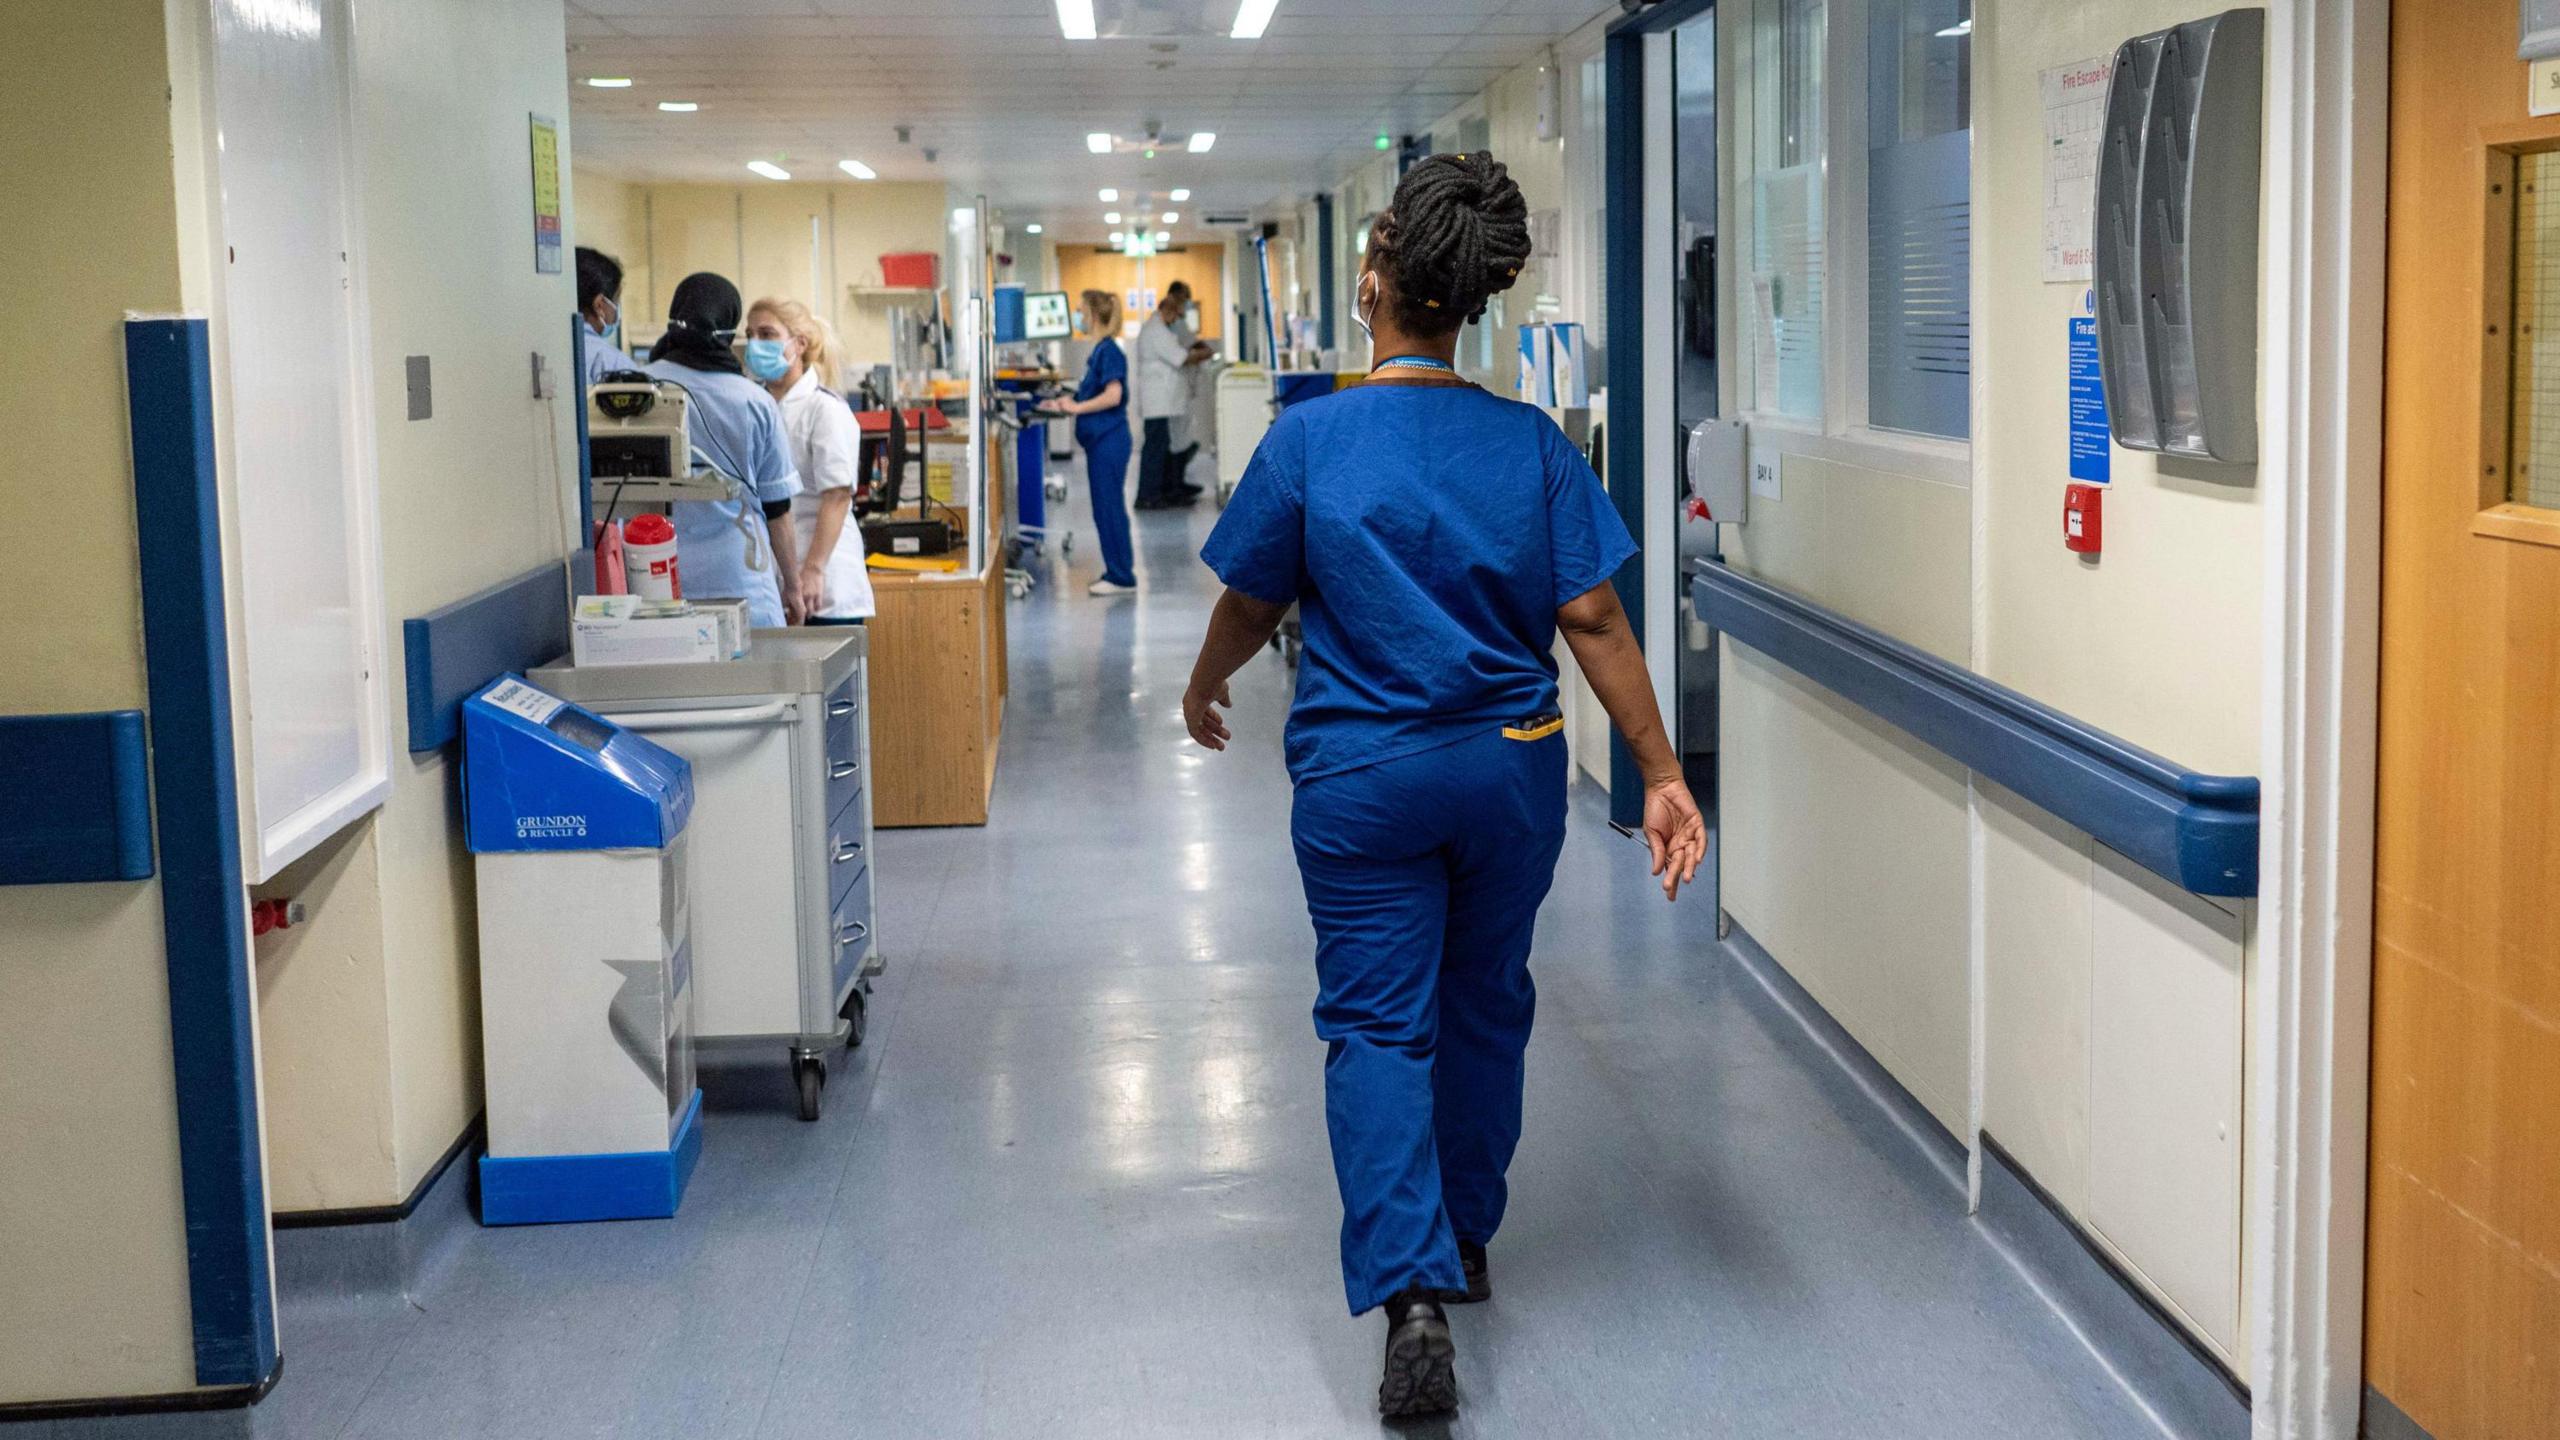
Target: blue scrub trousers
{"points": [[1106, 475], [1423, 875]]}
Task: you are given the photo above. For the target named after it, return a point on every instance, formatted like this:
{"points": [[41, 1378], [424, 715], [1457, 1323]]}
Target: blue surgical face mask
{"points": [[765, 360], [612, 334]]}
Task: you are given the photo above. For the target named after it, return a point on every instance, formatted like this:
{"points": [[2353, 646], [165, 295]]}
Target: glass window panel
{"points": [[1787, 250], [1919, 216], [2533, 398]]}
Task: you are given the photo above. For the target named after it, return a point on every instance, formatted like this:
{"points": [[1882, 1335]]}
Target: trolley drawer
{"points": [[849, 928], [848, 854], [844, 784]]}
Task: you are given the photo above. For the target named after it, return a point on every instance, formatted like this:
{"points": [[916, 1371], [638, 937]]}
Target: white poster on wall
{"points": [[2075, 110]]}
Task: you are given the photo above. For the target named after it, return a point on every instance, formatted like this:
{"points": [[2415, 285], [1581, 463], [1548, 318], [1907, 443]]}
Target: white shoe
{"points": [[1110, 587]]}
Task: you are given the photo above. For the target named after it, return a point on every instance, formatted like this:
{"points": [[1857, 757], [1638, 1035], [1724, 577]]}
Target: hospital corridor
{"points": [[1493, 719]]}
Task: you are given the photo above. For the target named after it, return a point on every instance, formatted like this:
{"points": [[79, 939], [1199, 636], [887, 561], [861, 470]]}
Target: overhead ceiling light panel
{"points": [[1109, 194], [1031, 229], [610, 82], [768, 170], [1110, 217], [857, 170], [1179, 196], [1201, 140], [1164, 237], [678, 107], [1075, 19], [1252, 18], [1099, 142], [1173, 217]]}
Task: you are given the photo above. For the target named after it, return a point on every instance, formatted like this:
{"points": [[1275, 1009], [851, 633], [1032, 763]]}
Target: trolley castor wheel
{"points": [[857, 1017], [811, 1074]]}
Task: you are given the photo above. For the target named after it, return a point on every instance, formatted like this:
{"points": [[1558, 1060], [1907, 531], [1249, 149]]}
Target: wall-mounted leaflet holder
{"points": [[1719, 468], [2177, 239]]}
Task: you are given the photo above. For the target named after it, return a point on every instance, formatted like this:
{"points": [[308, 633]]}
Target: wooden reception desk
{"points": [[938, 686]]}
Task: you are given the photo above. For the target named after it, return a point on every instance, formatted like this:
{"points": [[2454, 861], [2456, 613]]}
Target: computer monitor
{"points": [[1046, 316]]}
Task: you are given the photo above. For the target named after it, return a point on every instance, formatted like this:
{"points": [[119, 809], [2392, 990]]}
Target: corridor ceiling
{"points": [[1004, 102]]}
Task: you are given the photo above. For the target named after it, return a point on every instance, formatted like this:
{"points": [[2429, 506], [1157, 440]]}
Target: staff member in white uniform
{"points": [[739, 547], [1166, 353], [791, 350]]}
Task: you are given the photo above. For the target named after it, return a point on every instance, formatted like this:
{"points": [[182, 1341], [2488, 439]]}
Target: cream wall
{"points": [[2110, 1040], [371, 1012], [2089, 1086], [92, 1234], [1814, 787], [759, 235]]}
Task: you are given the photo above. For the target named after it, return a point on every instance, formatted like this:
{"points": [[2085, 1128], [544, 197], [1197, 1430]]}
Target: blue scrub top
{"points": [[597, 357], [1108, 363], [722, 547], [1428, 534]]}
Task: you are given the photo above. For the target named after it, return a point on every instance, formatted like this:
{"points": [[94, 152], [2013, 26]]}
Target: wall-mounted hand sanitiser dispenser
{"points": [[2177, 239]]}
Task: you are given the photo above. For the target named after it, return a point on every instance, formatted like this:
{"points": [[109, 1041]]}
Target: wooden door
{"points": [[1091, 267], [2463, 1293]]}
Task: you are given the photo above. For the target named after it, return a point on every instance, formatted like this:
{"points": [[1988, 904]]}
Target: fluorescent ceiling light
{"points": [[1201, 140], [1252, 18], [1031, 229], [610, 82], [1961, 28], [1164, 237], [1172, 217], [1179, 196], [678, 107], [1109, 194], [1075, 18], [857, 170], [1110, 217], [768, 170], [1099, 142], [1118, 239]]}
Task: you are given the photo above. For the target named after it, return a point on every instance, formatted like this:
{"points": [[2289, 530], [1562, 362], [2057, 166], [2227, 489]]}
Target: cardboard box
{"points": [[626, 630], [737, 632]]}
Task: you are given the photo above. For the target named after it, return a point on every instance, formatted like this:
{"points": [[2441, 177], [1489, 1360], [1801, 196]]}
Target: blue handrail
{"points": [[2198, 830], [80, 806], [453, 651]]}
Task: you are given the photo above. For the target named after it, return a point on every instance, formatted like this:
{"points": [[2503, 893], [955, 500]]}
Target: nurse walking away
{"points": [[742, 547], [789, 349], [1101, 408], [1435, 538]]}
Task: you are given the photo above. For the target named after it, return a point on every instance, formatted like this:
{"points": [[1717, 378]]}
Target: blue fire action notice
{"points": [[2088, 404]]}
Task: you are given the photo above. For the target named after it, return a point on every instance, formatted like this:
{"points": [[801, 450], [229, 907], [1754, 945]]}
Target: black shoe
{"points": [[1187, 488], [1147, 502], [1420, 1377], [1471, 1258]]}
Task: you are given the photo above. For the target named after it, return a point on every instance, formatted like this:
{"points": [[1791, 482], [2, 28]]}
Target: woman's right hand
{"points": [[1676, 833]]}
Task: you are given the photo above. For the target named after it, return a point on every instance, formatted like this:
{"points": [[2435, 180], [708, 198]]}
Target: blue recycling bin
{"points": [[577, 831]]}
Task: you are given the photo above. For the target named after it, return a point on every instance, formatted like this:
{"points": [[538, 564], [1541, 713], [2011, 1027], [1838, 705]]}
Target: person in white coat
{"points": [[1167, 351], [791, 350]]}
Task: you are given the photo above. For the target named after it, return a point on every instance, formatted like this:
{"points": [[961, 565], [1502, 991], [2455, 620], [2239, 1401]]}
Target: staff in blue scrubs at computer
{"points": [[1434, 538], [1101, 408], [600, 316], [740, 547]]}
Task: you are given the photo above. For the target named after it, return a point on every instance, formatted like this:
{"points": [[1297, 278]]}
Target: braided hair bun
{"points": [[1455, 236]]}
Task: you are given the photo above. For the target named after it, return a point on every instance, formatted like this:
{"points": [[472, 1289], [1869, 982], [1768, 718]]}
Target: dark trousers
{"points": [[1106, 470], [1159, 470], [1423, 877]]}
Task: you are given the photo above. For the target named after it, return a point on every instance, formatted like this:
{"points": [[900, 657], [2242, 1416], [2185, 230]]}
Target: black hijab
{"points": [[700, 318]]}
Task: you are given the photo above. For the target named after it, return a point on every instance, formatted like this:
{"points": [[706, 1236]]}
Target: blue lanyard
{"points": [[1414, 362]]}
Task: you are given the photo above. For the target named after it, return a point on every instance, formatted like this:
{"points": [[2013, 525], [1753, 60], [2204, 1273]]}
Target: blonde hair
{"points": [[1104, 307], [819, 350]]}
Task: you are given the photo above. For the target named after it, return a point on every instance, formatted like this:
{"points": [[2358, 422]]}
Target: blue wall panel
{"points": [[515, 625], [79, 806], [204, 907]]}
